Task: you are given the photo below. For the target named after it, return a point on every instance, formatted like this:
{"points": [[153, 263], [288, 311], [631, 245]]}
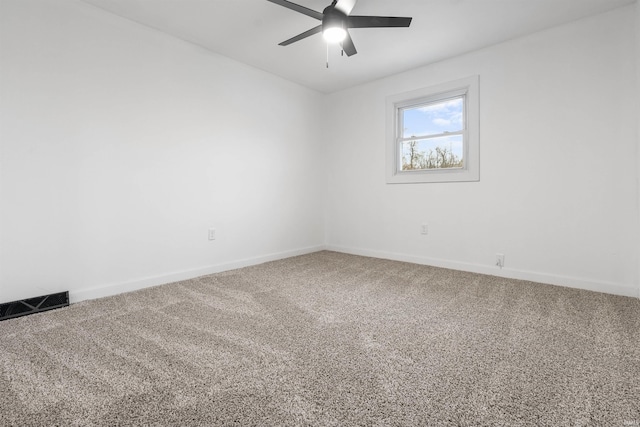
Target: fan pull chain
{"points": [[327, 55]]}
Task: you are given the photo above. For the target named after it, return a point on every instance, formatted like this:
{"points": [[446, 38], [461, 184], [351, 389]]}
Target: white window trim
{"points": [[469, 87]]}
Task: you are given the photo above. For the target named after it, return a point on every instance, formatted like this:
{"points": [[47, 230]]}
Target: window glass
{"points": [[433, 153], [433, 119]]}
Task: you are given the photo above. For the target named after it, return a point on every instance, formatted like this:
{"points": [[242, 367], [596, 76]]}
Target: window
{"points": [[433, 134]]}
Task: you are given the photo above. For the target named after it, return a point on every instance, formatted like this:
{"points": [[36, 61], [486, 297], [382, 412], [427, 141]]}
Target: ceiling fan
{"points": [[336, 22]]}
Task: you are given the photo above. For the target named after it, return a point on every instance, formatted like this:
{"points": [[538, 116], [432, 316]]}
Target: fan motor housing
{"points": [[333, 18]]}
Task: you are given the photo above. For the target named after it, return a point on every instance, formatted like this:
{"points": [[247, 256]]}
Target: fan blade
{"points": [[345, 6], [298, 8], [377, 21], [348, 46], [304, 35]]}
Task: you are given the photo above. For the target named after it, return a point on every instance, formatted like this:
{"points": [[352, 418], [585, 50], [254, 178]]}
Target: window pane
{"points": [[433, 119], [445, 152]]}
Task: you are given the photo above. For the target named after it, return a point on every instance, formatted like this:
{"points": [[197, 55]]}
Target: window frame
{"points": [[467, 88]]}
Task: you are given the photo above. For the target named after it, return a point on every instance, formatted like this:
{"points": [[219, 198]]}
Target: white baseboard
{"points": [[570, 282], [145, 282]]}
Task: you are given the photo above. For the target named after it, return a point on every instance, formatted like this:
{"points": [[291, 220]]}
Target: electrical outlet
{"points": [[500, 260], [424, 229], [212, 234]]}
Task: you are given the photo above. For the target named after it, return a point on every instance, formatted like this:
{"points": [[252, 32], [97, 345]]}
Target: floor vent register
{"points": [[27, 306]]}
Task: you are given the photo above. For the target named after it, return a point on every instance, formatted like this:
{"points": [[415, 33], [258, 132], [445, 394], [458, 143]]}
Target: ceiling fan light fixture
{"points": [[336, 22], [334, 34]]}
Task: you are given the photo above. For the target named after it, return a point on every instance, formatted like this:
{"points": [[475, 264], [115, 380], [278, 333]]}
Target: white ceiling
{"points": [[249, 31]]}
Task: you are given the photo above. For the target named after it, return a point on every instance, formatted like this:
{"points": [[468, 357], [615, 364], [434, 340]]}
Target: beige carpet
{"points": [[328, 339]]}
